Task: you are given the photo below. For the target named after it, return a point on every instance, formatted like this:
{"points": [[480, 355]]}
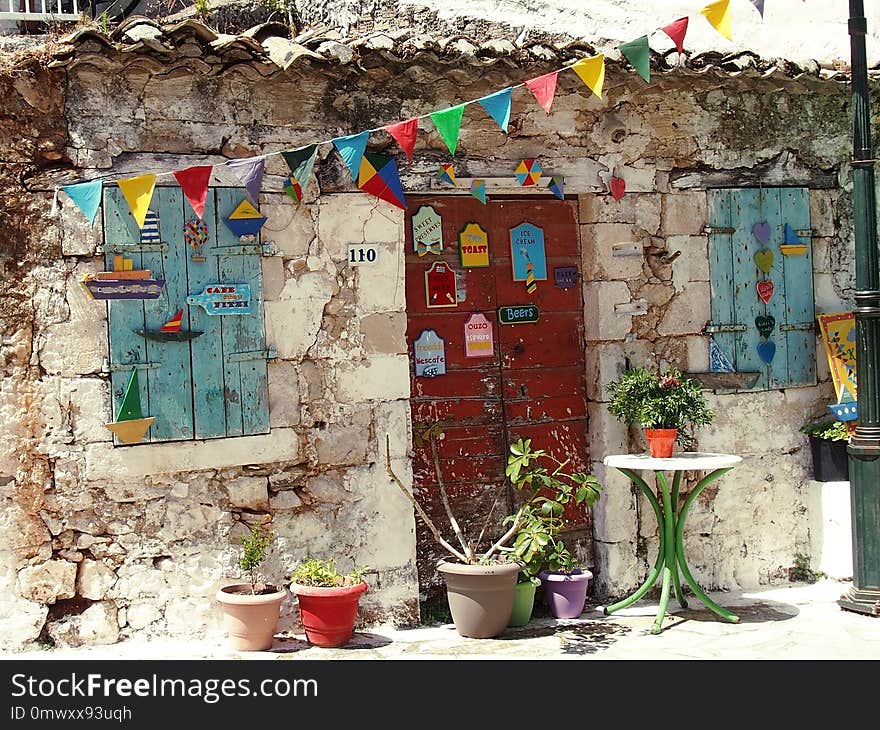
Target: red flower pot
{"points": [[328, 614], [661, 441]]}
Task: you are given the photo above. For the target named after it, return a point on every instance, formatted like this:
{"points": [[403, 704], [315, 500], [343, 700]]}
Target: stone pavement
{"points": [[797, 621]]}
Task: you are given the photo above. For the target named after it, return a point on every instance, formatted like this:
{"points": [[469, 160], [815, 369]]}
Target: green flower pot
{"points": [[523, 603]]}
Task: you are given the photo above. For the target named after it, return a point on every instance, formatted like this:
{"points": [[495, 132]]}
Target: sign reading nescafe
{"points": [[518, 314]]}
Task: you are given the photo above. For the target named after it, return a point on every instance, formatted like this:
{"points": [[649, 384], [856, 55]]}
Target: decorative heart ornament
{"points": [[761, 231], [766, 351], [765, 290], [765, 324], [764, 260], [617, 185]]}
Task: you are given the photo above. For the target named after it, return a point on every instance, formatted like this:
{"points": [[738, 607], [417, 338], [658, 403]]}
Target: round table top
{"points": [[685, 460]]}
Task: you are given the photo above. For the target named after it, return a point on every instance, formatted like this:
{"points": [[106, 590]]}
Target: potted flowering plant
{"points": [[828, 442], [665, 403]]}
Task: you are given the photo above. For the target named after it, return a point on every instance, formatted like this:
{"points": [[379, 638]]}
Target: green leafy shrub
{"points": [[323, 573], [253, 551], [830, 430]]}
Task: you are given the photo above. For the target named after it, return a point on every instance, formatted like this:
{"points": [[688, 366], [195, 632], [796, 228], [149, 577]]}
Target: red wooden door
{"points": [[533, 385]]}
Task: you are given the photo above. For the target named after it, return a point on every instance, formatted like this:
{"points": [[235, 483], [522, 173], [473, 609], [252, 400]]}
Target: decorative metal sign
{"points": [[427, 230], [363, 254], [473, 246], [527, 252], [565, 277], [430, 355], [518, 314], [478, 337], [223, 299], [440, 286]]}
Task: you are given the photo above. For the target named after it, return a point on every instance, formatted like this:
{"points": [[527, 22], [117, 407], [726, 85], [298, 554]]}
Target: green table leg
{"points": [[676, 485], [661, 554], [669, 567], [679, 546]]}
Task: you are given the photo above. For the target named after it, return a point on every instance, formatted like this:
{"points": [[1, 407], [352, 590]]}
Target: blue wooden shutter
{"points": [[734, 274]]}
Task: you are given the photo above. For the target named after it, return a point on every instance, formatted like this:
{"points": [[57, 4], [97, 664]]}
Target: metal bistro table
{"points": [[670, 520]]}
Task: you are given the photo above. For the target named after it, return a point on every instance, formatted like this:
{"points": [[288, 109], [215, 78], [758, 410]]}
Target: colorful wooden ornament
{"points": [[130, 425], [446, 173], [427, 230], [765, 290], [478, 336], [195, 235], [528, 172], [761, 231], [766, 351], [429, 352], [245, 221], [518, 314], [473, 246], [565, 277], [478, 190], [150, 229], [718, 360], [170, 331], [531, 286], [792, 245], [617, 186], [764, 260], [765, 324], [846, 408], [379, 176], [123, 282], [223, 299], [557, 186], [440, 286], [527, 247]]}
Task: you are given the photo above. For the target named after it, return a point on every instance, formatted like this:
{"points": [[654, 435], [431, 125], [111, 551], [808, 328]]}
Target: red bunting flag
{"points": [[405, 133], [544, 89], [676, 30], [194, 183]]}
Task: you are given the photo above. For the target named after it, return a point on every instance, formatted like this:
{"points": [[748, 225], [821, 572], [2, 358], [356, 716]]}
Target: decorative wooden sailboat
{"points": [[130, 425], [245, 221], [123, 282], [170, 331]]}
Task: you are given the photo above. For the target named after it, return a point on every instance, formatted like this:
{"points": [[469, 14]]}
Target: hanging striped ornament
{"points": [[531, 286]]}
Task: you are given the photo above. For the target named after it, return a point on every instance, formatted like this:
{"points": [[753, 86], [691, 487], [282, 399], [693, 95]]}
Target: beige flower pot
{"points": [[250, 620], [480, 596]]}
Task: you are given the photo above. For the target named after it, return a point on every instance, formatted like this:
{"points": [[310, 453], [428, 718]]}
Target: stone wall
{"points": [[102, 542]]}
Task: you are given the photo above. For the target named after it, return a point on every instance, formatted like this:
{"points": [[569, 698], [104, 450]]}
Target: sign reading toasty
{"points": [[473, 246], [478, 337], [430, 355], [518, 314]]}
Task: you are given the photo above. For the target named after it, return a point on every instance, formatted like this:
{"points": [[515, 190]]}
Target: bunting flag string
{"points": [[367, 175]]}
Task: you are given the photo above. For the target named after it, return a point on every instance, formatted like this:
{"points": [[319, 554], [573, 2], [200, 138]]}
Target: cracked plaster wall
{"points": [[101, 542]]}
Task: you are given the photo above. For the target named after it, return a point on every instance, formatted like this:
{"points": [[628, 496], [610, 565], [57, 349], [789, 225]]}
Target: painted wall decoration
{"points": [[222, 299], [527, 247], [245, 221], [123, 282], [427, 230], [792, 245], [130, 425], [479, 340], [765, 290], [473, 246], [518, 314], [170, 331], [363, 254], [617, 187], [430, 355], [766, 349], [528, 172], [150, 229], [718, 360], [557, 186], [478, 190], [446, 173], [195, 234], [565, 277], [839, 337], [764, 260], [440, 287]]}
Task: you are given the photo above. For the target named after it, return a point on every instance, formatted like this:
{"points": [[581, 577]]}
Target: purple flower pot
{"points": [[566, 593]]}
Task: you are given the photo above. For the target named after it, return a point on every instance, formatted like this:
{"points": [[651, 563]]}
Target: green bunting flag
{"points": [[638, 54], [448, 123]]}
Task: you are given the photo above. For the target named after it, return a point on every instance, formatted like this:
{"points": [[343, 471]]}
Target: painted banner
{"points": [[839, 336]]}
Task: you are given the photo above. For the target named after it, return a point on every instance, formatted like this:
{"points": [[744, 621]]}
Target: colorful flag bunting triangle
{"points": [[250, 171], [557, 187], [528, 172], [138, 192], [351, 149], [638, 53], [543, 88], [448, 123], [300, 163], [446, 173], [86, 196], [592, 73], [677, 31], [478, 190], [378, 176], [194, 183], [759, 4], [405, 133], [718, 15], [497, 106]]}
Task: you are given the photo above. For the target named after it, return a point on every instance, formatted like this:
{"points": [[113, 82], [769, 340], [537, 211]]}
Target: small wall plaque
{"points": [[473, 246], [527, 247], [363, 254], [430, 355], [518, 314], [223, 299], [427, 230], [478, 337], [565, 277], [440, 286]]}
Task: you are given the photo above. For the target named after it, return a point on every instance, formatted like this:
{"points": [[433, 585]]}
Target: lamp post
{"points": [[864, 448]]}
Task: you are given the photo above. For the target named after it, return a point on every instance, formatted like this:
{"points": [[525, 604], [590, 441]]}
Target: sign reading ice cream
{"points": [[478, 338], [430, 355]]}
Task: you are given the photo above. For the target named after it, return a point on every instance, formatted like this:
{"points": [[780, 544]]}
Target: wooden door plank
{"points": [[769, 199], [721, 268]]}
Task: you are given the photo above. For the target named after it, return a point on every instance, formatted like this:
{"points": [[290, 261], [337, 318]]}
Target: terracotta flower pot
{"points": [[480, 596], [661, 441], [250, 620], [328, 613]]}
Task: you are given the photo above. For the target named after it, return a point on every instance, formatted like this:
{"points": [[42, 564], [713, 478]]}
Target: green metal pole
{"points": [[864, 448]]}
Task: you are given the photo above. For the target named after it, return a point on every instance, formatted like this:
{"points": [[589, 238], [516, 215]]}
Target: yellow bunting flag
{"points": [[138, 192], [592, 73], [718, 14]]}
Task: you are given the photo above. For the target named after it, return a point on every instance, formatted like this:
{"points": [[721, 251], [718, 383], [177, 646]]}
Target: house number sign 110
{"points": [[362, 254]]}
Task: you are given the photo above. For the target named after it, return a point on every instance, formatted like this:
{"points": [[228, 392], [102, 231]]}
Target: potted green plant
{"points": [[667, 404], [549, 490], [828, 442], [328, 600], [251, 610]]}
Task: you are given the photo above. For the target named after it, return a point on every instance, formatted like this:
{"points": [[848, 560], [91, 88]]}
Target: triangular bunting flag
{"points": [[250, 171], [351, 149], [497, 106], [478, 190], [446, 173], [86, 196], [405, 133], [718, 15], [592, 73], [300, 163], [194, 183], [544, 89], [557, 187], [638, 53], [378, 176], [759, 4], [677, 31], [448, 123], [138, 192]]}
